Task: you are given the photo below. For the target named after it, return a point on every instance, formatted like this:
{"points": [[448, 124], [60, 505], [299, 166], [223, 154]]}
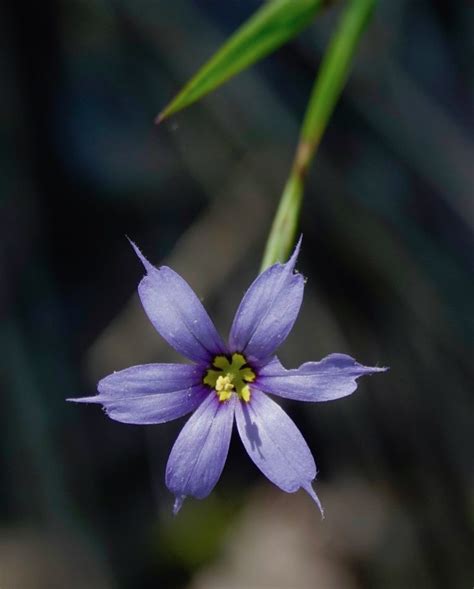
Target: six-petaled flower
{"points": [[227, 382]]}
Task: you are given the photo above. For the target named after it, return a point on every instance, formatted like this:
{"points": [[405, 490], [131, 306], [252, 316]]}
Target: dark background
{"points": [[387, 224]]}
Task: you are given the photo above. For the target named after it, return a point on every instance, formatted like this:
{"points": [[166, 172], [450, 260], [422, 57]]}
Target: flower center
{"points": [[227, 377]]}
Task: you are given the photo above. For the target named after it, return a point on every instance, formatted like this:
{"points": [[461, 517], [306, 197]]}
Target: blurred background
{"points": [[387, 224]]}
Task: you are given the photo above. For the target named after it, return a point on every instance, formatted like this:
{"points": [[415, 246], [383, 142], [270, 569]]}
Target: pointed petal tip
{"points": [[380, 368], [160, 117], [84, 399], [142, 258], [178, 503], [312, 493], [294, 256], [299, 242]]}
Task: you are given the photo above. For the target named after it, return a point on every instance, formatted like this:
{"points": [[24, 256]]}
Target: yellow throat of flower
{"points": [[230, 376]]}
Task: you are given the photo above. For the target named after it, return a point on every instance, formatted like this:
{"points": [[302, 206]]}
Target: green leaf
{"points": [[327, 88], [269, 28], [335, 69]]}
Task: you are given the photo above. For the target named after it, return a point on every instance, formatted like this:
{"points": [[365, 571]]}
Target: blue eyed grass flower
{"points": [[227, 382]]}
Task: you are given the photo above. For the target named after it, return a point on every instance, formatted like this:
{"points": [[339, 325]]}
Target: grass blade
{"points": [[269, 28]]}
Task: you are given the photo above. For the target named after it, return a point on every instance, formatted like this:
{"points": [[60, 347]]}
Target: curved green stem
{"points": [[327, 88]]}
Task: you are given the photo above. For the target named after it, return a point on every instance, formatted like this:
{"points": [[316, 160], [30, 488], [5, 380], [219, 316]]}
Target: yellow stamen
{"points": [[224, 387], [229, 377], [245, 393]]}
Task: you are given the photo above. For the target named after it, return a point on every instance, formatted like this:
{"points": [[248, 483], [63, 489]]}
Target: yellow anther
{"points": [[227, 377], [224, 383], [224, 387], [245, 393]]}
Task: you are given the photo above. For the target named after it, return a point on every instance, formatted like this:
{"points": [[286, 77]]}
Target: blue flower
{"points": [[227, 382]]}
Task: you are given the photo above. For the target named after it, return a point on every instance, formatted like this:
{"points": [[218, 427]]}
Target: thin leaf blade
{"points": [[270, 27]]}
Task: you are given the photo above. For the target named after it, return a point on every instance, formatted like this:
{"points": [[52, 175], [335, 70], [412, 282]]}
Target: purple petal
{"points": [[268, 311], [199, 454], [153, 393], [177, 313], [155, 408], [333, 377], [150, 379], [275, 444]]}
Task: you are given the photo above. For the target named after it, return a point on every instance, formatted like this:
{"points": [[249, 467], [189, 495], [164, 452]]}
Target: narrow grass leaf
{"points": [[270, 27]]}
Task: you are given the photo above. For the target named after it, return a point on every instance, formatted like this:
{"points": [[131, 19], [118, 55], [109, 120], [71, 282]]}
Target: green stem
{"points": [[327, 88]]}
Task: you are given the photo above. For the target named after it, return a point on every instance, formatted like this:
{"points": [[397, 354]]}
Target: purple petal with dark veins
{"points": [[152, 393], [267, 311], [333, 377], [275, 444], [200, 451], [177, 314]]}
